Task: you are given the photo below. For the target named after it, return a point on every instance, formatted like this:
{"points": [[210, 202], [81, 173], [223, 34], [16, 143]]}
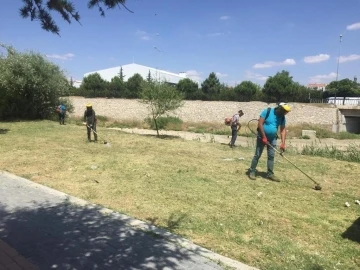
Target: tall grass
{"points": [[216, 128], [351, 153]]}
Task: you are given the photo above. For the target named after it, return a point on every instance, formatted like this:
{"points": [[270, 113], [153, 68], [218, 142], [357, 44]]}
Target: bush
{"points": [[168, 122], [30, 85]]}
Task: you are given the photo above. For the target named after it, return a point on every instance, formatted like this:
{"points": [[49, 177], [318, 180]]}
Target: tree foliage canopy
{"points": [[343, 88], [161, 98], [30, 85], [37, 10], [247, 91], [189, 88], [211, 86]]}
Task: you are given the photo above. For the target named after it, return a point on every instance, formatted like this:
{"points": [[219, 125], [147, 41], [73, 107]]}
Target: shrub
{"points": [[30, 85], [165, 122]]}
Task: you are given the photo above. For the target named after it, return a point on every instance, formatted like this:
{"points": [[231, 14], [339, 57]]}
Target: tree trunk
{"points": [[156, 126]]}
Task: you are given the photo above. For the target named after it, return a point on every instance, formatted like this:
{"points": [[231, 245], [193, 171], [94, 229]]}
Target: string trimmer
{"points": [[317, 185], [105, 142]]}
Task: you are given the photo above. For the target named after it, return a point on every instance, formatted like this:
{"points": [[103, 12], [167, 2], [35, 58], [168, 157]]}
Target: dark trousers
{"points": [[233, 135], [91, 127], [62, 118]]}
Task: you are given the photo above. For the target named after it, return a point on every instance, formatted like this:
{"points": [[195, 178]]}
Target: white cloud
{"points": [[142, 35], [269, 64], [194, 75], [67, 56], [316, 58], [221, 75], [322, 78], [224, 17], [256, 76], [352, 57], [354, 26]]}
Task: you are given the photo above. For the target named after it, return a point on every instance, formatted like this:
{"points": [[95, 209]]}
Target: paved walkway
{"points": [[10, 259], [56, 231]]}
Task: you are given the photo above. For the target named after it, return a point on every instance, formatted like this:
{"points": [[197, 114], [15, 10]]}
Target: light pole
{"points": [[337, 69]]}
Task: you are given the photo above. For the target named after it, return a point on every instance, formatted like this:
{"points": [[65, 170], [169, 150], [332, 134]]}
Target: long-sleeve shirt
{"points": [[89, 117]]}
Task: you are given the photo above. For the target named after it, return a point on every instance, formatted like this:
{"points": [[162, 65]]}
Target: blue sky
{"points": [[237, 39]]}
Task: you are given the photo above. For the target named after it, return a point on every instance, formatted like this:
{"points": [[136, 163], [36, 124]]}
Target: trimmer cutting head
{"points": [[317, 187]]}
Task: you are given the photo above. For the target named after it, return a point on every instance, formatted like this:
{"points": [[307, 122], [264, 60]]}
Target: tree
{"points": [[189, 89], [343, 88], [246, 91], [121, 75], [276, 88], [134, 86], [117, 87], [30, 85], [39, 11], [300, 93], [161, 98], [149, 78], [211, 86], [93, 85]]}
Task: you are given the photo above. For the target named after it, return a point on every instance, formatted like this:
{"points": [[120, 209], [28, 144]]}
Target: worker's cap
{"points": [[285, 106], [88, 105]]}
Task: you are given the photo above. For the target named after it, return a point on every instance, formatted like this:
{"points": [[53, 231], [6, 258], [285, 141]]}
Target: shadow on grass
{"points": [[68, 236], [353, 232], [172, 223], [165, 137], [4, 131]]}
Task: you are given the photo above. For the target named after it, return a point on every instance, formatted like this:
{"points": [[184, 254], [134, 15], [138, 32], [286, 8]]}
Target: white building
{"points": [[131, 69], [75, 83], [317, 86]]}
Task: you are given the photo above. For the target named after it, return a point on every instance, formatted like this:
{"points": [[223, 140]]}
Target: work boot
{"points": [[252, 176], [272, 177]]}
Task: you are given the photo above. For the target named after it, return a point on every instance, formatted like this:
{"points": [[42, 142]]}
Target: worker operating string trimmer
{"points": [[268, 124]]}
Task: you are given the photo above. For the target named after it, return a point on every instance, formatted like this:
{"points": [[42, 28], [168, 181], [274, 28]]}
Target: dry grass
{"points": [[189, 188]]}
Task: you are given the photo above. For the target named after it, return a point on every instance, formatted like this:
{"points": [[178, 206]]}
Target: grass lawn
{"points": [[193, 189]]}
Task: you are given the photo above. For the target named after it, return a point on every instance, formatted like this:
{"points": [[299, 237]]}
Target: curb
{"points": [[138, 224]]}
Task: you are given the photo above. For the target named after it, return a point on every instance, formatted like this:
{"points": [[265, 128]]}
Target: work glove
{"points": [[264, 140], [282, 147]]}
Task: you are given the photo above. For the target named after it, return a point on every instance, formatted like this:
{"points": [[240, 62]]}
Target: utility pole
{"points": [[337, 69]]}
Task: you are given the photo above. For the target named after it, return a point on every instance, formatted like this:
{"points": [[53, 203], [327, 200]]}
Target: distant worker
{"points": [[90, 121], [61, 110], [269, 122], [235, 127]]}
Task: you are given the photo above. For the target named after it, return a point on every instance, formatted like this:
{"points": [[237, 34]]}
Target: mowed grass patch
{"points": [[199, 190]]}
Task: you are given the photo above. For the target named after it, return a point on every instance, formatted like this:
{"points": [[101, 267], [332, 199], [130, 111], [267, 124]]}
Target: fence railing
{"points": [[353, 101]]}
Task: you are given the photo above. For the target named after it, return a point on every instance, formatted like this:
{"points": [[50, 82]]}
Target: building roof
{"points": [[131, 69], [317, 84]]}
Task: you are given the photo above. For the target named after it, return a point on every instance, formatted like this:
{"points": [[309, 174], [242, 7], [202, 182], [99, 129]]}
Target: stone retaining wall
{"points": [[205, 111]]}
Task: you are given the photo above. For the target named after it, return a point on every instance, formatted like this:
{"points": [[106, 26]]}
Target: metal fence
{"points": [[353, 101]]}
